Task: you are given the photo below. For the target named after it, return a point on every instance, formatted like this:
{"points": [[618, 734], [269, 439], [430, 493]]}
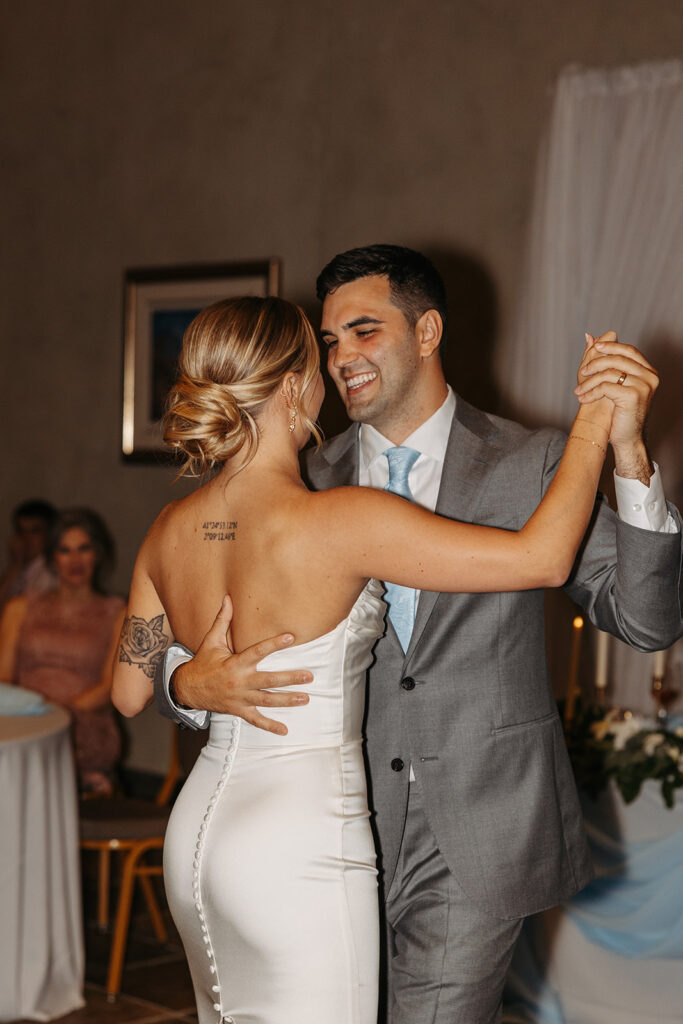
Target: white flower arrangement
{"points": [[621, 746]]}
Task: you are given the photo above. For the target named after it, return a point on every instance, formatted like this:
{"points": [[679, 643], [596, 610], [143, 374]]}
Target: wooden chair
{"points": [[134, 828]]}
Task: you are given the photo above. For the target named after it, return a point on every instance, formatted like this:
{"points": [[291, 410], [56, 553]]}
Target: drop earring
{"points": [[292, 421]]}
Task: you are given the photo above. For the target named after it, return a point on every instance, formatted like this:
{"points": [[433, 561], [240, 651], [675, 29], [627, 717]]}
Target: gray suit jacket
{"points": [[480, 724]]}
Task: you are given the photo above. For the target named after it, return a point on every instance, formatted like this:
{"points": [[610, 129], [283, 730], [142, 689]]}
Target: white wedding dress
{"points": [[269, 859]]}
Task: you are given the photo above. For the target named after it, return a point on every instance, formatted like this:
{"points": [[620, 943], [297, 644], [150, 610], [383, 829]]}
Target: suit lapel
{"points": [[470, 453], [336, 463]]}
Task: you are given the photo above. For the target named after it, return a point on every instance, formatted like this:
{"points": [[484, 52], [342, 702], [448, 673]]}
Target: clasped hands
{"points": [[624, 376]]}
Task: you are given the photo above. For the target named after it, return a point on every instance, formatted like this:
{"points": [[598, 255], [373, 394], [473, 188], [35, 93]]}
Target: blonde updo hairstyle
{"points": [[235, 354]]}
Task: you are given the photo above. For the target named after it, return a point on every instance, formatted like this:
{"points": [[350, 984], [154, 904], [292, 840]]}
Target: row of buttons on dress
{"points": [[196, 864]]}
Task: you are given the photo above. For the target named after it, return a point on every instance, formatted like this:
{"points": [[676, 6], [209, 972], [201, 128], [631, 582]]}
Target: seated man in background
{"points": [[26, 571]]}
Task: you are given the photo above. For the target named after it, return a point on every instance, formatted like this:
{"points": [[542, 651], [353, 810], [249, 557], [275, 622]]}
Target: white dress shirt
{"points": [[430, 439], [644, 506]]}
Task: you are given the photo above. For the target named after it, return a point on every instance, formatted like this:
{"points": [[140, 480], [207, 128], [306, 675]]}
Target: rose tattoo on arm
{"points": [[143, 643]]}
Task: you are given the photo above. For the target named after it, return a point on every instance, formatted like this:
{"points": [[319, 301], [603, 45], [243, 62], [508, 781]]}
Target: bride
{"points": [[269, 860]]}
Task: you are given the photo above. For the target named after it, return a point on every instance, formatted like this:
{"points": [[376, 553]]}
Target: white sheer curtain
{"points": [[606, 241], [606, 251]]}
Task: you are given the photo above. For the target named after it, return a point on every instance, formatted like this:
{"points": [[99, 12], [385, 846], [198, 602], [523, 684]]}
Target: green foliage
{"points": [[603, 746]]}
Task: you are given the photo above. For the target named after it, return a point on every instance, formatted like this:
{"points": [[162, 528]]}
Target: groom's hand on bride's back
{"points": [[219, 680]]}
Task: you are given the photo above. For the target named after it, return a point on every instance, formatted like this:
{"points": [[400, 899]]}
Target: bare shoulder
{"points": [[170, 515], [187, 513], [12, 619], [343, 498], [15, 610], [353, 504], [185, 539], [161, 532], [353, 515]]}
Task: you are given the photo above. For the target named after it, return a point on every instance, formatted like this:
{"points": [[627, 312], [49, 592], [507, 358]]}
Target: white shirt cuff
{"points": [[644, 506], [177, 655]]}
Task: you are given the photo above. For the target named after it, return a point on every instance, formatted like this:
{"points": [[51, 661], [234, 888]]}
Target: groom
{"points": [[476, 811]]}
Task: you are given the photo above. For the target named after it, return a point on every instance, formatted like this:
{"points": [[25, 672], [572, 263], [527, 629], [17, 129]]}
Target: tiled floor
{"points": [[155, 988]]}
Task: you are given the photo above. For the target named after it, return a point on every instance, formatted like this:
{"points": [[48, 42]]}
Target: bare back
{"points": [[258, 538]]}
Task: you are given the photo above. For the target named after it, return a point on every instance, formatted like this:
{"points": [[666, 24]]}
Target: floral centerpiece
{"points": [[618, 745]]}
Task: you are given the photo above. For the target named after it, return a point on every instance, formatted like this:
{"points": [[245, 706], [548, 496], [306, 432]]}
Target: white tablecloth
{"points": [[562, 975], [41, 934]]}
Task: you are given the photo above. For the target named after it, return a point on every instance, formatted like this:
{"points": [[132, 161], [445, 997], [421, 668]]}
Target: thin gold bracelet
{"points": [[577, 437]]}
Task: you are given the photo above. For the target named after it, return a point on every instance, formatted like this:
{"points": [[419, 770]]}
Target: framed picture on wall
{"points": [[159, 303]]}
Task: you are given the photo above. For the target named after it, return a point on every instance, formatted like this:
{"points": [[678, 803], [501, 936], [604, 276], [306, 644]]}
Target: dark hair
{"points": [[95, 527], [415, 283], [34, 508]]}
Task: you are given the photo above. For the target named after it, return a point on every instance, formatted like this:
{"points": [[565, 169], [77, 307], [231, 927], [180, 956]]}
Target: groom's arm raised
{"points": [[629, 575], [622, 374], [216, 679]]}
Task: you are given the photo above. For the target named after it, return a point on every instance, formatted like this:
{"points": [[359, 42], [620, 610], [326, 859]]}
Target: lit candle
{"points": [[660, 664], [601, 652], [572, 682]]}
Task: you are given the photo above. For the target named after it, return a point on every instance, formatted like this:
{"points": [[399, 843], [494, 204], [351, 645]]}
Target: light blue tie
{"points": [[401, 600]]}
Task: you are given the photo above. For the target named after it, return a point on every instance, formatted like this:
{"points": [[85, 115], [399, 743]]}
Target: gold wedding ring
{"points": [[622, 379]]}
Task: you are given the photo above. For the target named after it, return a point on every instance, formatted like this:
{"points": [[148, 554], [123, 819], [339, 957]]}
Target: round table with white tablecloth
{"points": [[41, 933], [614, 953]]}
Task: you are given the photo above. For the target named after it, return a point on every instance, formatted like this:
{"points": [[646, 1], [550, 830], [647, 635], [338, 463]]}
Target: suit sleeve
{"points": [[628, 580]]}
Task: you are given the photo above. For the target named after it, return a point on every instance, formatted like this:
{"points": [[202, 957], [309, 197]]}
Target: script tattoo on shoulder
{"points": [[219, 529], [144, 643]]}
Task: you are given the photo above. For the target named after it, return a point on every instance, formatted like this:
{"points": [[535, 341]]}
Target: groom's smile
{"points": [[359, 380], [372, 352]]}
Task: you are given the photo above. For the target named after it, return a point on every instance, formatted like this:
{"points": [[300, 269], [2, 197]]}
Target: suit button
{"points": [[408, 683], [397, 765]]}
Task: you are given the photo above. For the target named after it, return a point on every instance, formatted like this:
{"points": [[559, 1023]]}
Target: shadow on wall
{"points": [[665, 423], [468, 349], [473, 326]]}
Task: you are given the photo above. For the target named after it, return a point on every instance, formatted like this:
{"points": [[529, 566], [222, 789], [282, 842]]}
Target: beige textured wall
{"points": [[145, 132]]}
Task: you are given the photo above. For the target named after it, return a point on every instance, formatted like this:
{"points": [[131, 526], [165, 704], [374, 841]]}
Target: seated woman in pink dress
{"points": [[62, 643]]}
